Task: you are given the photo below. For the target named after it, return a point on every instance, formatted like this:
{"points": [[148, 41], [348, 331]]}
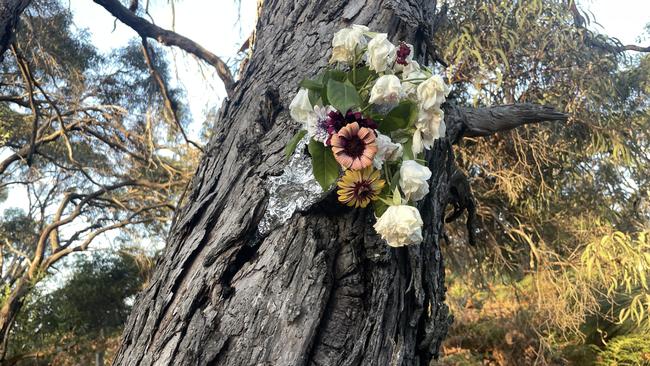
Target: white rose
{"points": [[413, 179], [386, 150], [386, 90], [347, 43], [429, 127], [300, 108], [400, 225], [409, 88], [432, 92], [381, 53]]}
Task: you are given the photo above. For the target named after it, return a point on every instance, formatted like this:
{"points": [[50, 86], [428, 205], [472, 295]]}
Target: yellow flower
{"points": [[359, 187]]}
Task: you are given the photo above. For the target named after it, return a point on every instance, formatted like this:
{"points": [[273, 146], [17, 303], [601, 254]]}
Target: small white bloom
{"points": [[413, 66], [381, 53], [386, 90], [429, 127], [432, 92], [387, 150], [315, 125], [400, 225], [347, 43], [300, 108], [413, 179]]}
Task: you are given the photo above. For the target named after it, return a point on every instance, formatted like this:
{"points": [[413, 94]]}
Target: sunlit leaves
{"points": [[621, 263]]}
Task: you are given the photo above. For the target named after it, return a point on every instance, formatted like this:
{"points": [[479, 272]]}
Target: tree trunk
{"points": [[10, 11], [10, 308], [323, 288], [101, 349]]}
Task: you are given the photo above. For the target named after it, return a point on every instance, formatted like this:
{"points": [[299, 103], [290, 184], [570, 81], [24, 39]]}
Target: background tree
{"points": [[81, 321], [562, 208], [96, 142]]}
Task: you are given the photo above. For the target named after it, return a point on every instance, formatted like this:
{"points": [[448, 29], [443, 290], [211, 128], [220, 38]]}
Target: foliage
{"points": [[564, 207], [84, 315], [626, 350], [96, 142]]}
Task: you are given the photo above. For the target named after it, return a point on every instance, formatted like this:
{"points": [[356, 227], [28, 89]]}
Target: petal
{"points": [[363, 133], [345, 160], [353, 128], [343, 184], [357, 164], [336, 141], [367, 135], [377, 185], [365, 161]]}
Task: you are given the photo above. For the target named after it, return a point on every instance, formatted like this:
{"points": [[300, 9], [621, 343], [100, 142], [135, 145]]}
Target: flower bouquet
{"points": [[369, 116]]}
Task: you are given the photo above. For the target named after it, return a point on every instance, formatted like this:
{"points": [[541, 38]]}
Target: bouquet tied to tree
{"points": [[369, 117]]}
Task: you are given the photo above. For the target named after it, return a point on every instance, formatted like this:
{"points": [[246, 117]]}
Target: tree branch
{"points": [[169, 106], [580, 22], [472, 122], [148, 30], [632, 47], [28, 78]]}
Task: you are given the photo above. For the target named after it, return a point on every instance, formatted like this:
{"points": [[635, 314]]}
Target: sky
{"points": [[222, 25]]}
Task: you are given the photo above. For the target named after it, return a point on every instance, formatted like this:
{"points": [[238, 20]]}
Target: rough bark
{"points": [[10, 11], [322, 289], [473, 122], [11, 306]]}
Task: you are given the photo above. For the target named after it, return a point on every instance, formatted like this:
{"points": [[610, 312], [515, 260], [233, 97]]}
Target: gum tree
{"points": [[95, 143], [321, 288]]}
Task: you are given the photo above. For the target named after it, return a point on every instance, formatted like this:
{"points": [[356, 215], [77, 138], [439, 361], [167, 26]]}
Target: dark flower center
{"points": [[354, 146], [362, 190]]}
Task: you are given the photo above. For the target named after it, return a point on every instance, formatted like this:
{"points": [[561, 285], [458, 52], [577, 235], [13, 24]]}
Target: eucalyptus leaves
{"points": [[369, 117]]}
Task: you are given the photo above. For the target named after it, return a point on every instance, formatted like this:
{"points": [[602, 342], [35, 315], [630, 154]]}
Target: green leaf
{"points": [[394, 181], [380, 207], [311, 84], [291, 145], [337, 75], [315, 97], [408, 150], [316, 89], [400, 117], [342, 96], [397, 198], [360, 75], [325, 168]]}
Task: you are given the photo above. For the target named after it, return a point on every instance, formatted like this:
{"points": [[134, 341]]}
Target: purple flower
{"points": [[336, 121], [403, 52]]}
